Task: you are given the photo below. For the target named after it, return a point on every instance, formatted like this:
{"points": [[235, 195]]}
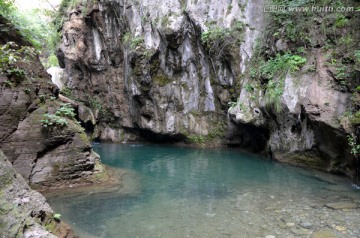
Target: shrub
{"points": [[66, 111], [57, 119], [219, 40], [132, 41], [66, 91], [249, 87], [357, 55], [275, 71], [234, 104], [341, 21], [8, 83], [280, 65], [355, 147], [51, 120], [10, 54]]}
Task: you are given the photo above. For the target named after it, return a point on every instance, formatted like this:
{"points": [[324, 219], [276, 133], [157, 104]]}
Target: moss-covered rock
{"points": [[23, 211], [57, 155]]}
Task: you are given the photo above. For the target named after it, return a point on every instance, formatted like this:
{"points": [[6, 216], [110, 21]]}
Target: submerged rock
{"points": [[324, 234], [341, 205]]}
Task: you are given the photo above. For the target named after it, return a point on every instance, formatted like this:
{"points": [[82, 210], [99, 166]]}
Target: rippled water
{"points": [[185, 192]]}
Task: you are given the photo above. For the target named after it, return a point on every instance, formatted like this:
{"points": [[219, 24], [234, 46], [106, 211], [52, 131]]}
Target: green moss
{"points": [[309, 160], [6, 179], [197, 139], [84, 138], [161, 79], [137, 70], [165, 20], [355, 118], [51, 227], [102, 175], [55, 169], [217, 130], [154, 65]]}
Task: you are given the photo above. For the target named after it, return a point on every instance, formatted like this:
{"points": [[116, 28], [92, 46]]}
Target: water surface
{"points": [[186, 192]]}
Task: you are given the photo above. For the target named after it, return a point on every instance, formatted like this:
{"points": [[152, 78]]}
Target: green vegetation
{"points": [[58, 120], [357, 56], [34, 27], [10, 55], [66, 92], [57, 216], [216, 130], [355, 147], [40, 27], [51, 120], [341, 20], [219, 41], [93, 103], [8, 84], [131, 41], [42, 98], [233, 104], [197, 139], [66, 111], [274, 71], [249, 87], [27, 90], [161, 79], [61, 15], [280, 65]]}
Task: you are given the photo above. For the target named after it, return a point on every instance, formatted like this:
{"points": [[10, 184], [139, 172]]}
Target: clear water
{"points": [[186, 192]]}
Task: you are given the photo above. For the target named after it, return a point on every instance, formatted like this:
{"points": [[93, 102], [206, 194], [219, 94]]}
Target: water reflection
{"points": [[182, 188]]}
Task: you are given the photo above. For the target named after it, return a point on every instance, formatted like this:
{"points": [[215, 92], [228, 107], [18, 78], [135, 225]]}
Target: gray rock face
{"points": [[50, 156], [22, 209], [145, 64], [146, 71]]}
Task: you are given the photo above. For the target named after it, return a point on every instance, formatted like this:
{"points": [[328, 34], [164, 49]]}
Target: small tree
{"points": [[219, 41]]}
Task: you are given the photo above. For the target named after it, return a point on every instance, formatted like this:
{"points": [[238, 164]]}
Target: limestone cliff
{"points": [[166, 71], [47, 157], [144, 70]]}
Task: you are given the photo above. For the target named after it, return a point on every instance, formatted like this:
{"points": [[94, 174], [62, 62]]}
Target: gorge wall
{"points": [[24, 212], [167, 71], [48, 157]]}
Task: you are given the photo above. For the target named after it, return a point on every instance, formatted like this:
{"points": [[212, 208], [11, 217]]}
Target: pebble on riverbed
{"points": [[306, 225], [341, 205]]}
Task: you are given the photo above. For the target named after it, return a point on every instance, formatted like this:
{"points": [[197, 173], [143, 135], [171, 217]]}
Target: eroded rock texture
{"points": [[146, 71], [142, 68], [45, 157], [24, 212]]}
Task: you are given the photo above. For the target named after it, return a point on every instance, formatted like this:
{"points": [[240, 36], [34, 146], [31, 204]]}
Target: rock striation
{"points": [[24, 212], [167, 71], [46, 157]]}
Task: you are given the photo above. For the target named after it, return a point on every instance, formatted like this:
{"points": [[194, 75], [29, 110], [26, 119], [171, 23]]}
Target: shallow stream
{"points": [[186, 192]]}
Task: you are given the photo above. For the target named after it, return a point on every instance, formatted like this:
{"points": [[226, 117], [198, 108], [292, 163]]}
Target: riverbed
{"points": [[171, 191]]}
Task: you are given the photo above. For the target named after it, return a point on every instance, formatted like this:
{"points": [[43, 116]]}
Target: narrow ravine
{"points": [[214, 118]]}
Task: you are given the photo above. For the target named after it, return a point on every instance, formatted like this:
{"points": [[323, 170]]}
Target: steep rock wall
{"points": [[310, 111], [143, 69], [46, 157], [148, 70], [24, 212]]}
